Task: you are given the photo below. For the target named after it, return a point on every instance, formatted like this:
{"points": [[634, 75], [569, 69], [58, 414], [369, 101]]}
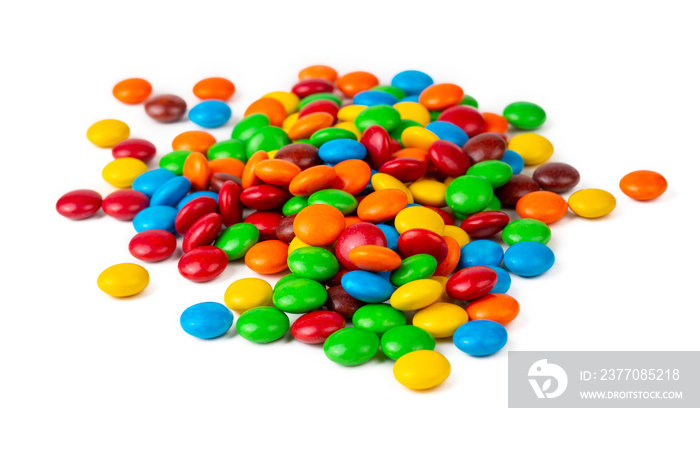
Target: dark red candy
{"points": [[359, 234], [203, 263], [153, 245], [302, 154], [124, 204], [203, 232], [466, 117], [285, 229], [422, 241], [79, 204], [266, 223], [193, 211], [341, 302], [404, 169], [337, 277], [316, 326], [135, 148], [264, 197], [312, 86], [471, 283], [217, 180], [448, 159], [485, 146], [517, 187], [447, 218], [556, 177], [378, 144], [395, 146], [165, 108], [484, 224], [321, 105], [230, 206]]}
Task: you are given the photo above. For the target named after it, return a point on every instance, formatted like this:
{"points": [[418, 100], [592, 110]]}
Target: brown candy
{"points": [[285, 229], [556, 177], [341, 302], [517, 187], [301, 154], [218, 179], [485, 146], [166, 108]]}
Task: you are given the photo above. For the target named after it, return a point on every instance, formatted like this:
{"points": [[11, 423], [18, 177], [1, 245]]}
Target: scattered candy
{"points": [[643, 185], [123, 280], [422, 369]]}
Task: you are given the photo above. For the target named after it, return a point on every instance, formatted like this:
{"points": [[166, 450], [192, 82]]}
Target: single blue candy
{"points": [[210, 113], [371, 98], [159, 217], [411, 81], [197, 194], [410, 98], [337, 150], [515, 161], [480, 337], [206, 320], [528, 258], [480, 252], [392, 236], [448, 132], [149, 182], [367, 286], [171, 192], [503, 283]]}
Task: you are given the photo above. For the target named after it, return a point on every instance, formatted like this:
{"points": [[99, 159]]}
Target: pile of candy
{"points": [[379, 199]]}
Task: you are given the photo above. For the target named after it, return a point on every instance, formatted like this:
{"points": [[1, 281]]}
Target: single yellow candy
{"points": [[428, 192], [121, 173], [416, 295], [440, 319], [422, 369], [383, 181], [444, 297], [416, 136], [289, 121], [350, 126], [271, 154], [123, 280], [419, 217], [413, 111], [592, 203], [247, 293], [108, 133], [289, 100], [350, 112], [533, 148], [297, 244], [455, 232]]}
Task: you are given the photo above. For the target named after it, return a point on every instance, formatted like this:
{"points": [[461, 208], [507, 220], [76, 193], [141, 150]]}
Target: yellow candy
{"points": [[289, 121], [350, 112], [416, 136], [533, 148], [271, 154], [457, 234], [297, 244], [422, 369], [350, 126], [123, 280], [289, 100], [592, 203], [428, 192], [108, 133], [416, 295], [440, 319], [419, 217], [383, 181], [413, 111], [444, 297], [247, 293], [120, 173]]}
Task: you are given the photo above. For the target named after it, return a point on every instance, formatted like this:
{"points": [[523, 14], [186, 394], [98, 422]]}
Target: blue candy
{"points": [[411, 81], [504, 281], [528, 258], [480, 252], [160, 217], [480, 337], [337, 150], [197, 194], [515, 161], [210, 113], [448, 132], [171, 192], [410, 98], [392, 236], [149, 182], [206, 320], [366, 286], [370, 98]]}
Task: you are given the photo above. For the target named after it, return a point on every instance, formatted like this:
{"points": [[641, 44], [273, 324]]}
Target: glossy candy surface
{"points": [[79, 204], [124, 204], [374, 258], [421, 370], [351, 346], [237, 239], [367, 286], [378, 318], [171, 192], [262, 324], [314, 263], [422, 241], [206, 320], [340, 301], [591, 203], [108, 133], [545, 206], [203, 232], [202, 264], [267, 257], [518, 186], [166, 108], [149, 182], [319, 224], [528, 258], [441, 96], [123, 280], [556, 177], [480, 337], [498, 307], [440, 319], [214, 88], [643, 185], [132, 90], [404, 339], [484, 224], [412, 82], [121, 173], [315, 327], [136, 148], [247, 293], [355, 82], [415, 267], [210, 113], [153, 245], [155, 218], [526, 229], [481, 252], [525, 115], [468, 194], [416, 294], [471, 283], [533, 148]]}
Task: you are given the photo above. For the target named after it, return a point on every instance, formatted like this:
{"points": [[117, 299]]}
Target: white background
{"points": [[90, 380]]}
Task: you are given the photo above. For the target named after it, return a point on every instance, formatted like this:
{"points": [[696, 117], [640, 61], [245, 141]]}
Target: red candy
{"points": [[422, 241], [134, 148], [264, 197], [203, 263], [447, 159], [312, 86], [359, 234], [79, 204], [152, 245], [266, 223], [471, 283], [404, 170], [447, 218], [193, 211], [316, 326], [124, 204], [466, 117], [230, 206], [378, 144], [484, 224], [321, 105], [203, 232]]}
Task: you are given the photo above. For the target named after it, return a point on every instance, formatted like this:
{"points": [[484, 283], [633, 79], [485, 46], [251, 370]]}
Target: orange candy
{"points": [[214, 88], [132, 90], [196, 141], [498, 307], [412, 153], [356, 82], [643, 185], [350, 221], [352, 176], [196, 169], [309, 124], [311, 180], [441, 96], [271, 108], [227, 165], [494, 123], [276, 171], [319, 224], [267, 257], [382, 205], [374, 258], [449, 263], [248, 177], [545, 206], [318, 72]]}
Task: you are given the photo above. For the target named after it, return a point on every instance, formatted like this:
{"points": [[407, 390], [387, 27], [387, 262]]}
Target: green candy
{"points": [[267, 138], [494, 171], [262, 324], [395, 91], [294, 205], [412, 268], [469, 100], [299, 295], [378, 318], [328, 134], [526, 229], [403, 124], [385, 116], [174, 161], [245, 128], [344, 202], [404, 339], [284, 280], [435, 114], [303, 141], [468, 194], [232, 149], [495, 204], [351, 346], [320, 96], [237, 239], [525, 115], [314, 263]]}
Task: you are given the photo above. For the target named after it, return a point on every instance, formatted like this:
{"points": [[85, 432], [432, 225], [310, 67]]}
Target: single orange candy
{"points": [[271, 108], [494, 123], [214, 88], [350, 221], [277, 172], [196, 141], [356, 82], [412, 153], [267, 257], [318, 224], [196, 169], [307, 125], [248, 177], [352, 176], [318, 72], [132, 90], [227, 165], [374, 258], [441, 96], [449, 263], [498, 307], [545, 206], [643, 185], [382, 205], [311, 180]]}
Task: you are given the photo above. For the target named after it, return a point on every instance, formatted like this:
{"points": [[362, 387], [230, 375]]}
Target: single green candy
{"points": [[526, 229], [245, 128], [344, 202], [393, 90], [232, 149], [284, 280], [435, 114], [351, 346], [495, 204], [412, 268], [303, 141], [460, 216], [299, 295], [174, 161], [294, 205], [525, 115], [267, 138], [328, 134], [385, 116], [468, 194], [378, 318], [314, 263], [494, 171], [469, 100], [262, 324], [404, 339], [398, 131], [320, 96], [237, 239]]}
